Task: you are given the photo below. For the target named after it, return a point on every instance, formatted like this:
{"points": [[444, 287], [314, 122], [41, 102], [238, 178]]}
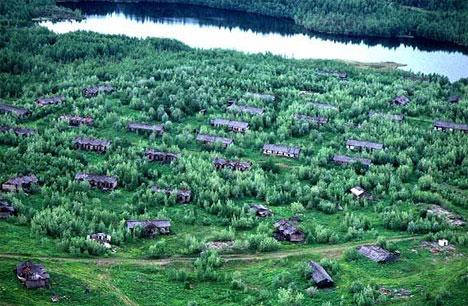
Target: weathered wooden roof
{"points": [[91, 141], [350, 160], [50, 100], [230, 123], [264, 97], [146, 127], [259, 207], [320, 120], [131, 224], [245, 109], [21, 180], [450, 125], [357, 191], [318, 274], [401, 100], [96, 177], [83, 120], [376, 253], [396, 117], [282, 149], [94, 90], [232, 163], [286, 227], [214, 139], [28, 271], [19, 131], [6, 108], [160, 153], [364, 144]]}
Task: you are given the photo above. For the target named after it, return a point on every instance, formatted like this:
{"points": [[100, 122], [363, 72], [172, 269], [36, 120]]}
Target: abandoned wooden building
{"points": [[280, 150], [146, 128], [235, 126], [91, 144], [238, 108], [32, 275], [101, 238], [183, 196], [221, 163], [102, 182], [347, 160], [18, 131], [77, 120], [316, 120], [150, 228], [14, 110], [360, 193], [323, 106], [396, 117], [93, 91], [377, 253], [454, 99], [259, 96], [159, 156], [287, 230], [450, 126], [44, 101], [20, 183], [448, 216], [260, 210], [6, 209], [319, 276], [211, 139], [401, 100], [359, 145]]}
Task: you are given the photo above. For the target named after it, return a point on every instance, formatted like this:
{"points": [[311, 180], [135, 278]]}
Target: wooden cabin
{"points": [[286, 230], [211, 139], [18, 131], [159, 156], [238, 108], [93, 91], [32, 275], [450, 217], [91, 144], [221, 163], [347, 160], [359, 145], [102, 182], [260, 210], [319, 276], [315, 120], [401, 100], [183, 196], [77, 120], [6, 210], [232, 125], [259, 96], [377, 254], [14, 110], [20, 183], [44, 101], [392, 117], [280, 150], [150, 228], [101, 238], [450, 126], [146, 128]]}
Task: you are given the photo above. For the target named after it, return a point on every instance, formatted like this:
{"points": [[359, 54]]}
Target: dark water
{"points": [[204, 28]]}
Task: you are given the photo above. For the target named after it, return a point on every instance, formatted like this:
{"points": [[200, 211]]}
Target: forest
{"points": [[434, 20], [160, 81]]}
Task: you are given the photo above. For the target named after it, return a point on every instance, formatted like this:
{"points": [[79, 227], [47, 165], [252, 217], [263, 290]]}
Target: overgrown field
{"points": [[165, 82]]}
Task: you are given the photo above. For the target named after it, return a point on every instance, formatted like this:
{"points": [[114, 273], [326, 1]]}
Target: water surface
{"points": [[205, 28]]}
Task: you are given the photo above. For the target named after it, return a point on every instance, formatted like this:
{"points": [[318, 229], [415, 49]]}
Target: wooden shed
{"points": [[18, 131], [319, 276], [77, 120], [281, 150], [347, 160], [91, 144], [360, 145], [260, 210], [102, 182], [287, 230], [239, 108], [440, 125], [146, 128], [93, 91], [377, 253]]}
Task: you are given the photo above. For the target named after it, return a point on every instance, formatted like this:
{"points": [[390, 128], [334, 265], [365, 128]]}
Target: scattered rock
{"points": [[55, 298], [396, 293], [434, 247], [220, 245]]}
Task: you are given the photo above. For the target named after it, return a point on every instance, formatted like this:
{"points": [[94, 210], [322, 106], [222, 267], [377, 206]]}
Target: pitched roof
{"points": [[357, 191], [319, 275], [245, 109], [376, 253], [182, 192], [282, 149], [155, 152], [142, 126], [91, 141], [364, 144], [83, 120], [6, 108], [21, 180], [450, 125], [232, 163], [350, 160], [213, 139], [50, 100], [131, 224], [230, 123], [19, 131]]}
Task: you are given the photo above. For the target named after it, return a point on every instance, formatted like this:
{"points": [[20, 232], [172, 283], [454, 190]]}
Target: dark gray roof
{"points": [[397, 117], [91, 141], [364, 144], [20, 180], [401, 100], [282, 149], [323, 105], [214, 139], [78, 119], [350, 160], [232, 163], [6, 108], [19, 131], [286, 227], [230, 123], [94, 90], [146, 127], [376, 253], [29, 271], [131, 224], [320, 277], [264, 97], [96, 177], [161, 153], [320, 120], [450, 125], [245, 109], [50, 100]]}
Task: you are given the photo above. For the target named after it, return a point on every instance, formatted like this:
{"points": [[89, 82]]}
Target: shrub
{"points": [[289, 297], [158, 250]]}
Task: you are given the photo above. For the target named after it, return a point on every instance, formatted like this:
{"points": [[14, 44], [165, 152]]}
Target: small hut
{"points": [[288, 231], [320, 277], [260, 210], [32, 275]]}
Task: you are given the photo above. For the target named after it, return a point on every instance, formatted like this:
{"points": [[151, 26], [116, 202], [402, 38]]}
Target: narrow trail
{"points": [[329, 251]]}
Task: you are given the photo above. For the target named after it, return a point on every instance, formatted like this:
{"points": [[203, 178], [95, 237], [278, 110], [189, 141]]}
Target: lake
{"points": [[205, 28]]}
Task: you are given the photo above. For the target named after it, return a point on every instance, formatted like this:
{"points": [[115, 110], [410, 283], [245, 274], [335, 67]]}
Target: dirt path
{"points": [[329, 251]]}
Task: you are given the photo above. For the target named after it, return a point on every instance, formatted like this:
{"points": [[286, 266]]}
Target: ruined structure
{"points": [[401, 100], [260, 210], [91, 144], [150, 228], [93, 91], [347, 160], [77, 120], [280, 150], [319, 276], [316, 120], [6, 209], [287, 230], [18, 131], [102, 182], [211, 139], [221, 163], [159, 156], [101, 238], [245, 109], [20, 183], [450, 126], [146, 128], [392, 117], [360, 145], [377, 254], [235, 126], [32, 275], [44, 101], [14, 110], [183, 196]]}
